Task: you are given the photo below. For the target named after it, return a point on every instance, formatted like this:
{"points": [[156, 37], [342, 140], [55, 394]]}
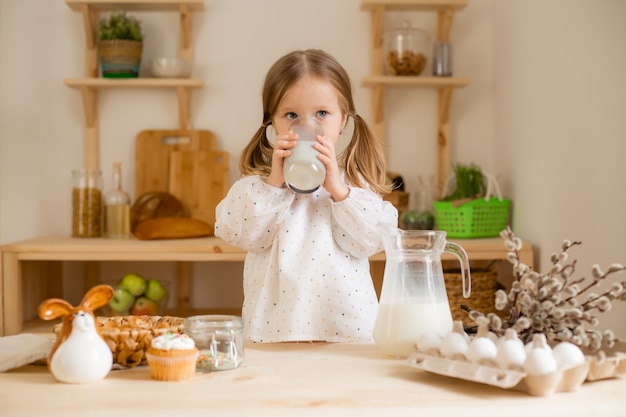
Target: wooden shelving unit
{"points": [[445, 10], [91, 84]]}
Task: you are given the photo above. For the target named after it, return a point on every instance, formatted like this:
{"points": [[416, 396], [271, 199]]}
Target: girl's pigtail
{"points": [[364, 158], [256, 158]]}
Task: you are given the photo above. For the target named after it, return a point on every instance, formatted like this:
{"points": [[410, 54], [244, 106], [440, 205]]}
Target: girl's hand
{"points": [[282, 149], [332, 183]]}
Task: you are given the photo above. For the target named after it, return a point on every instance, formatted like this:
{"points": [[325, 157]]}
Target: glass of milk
{"points": [[303, 171]]}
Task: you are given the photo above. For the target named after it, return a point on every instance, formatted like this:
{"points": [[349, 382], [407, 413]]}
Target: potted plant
{"points": [[473, 208], [469, 183], [120, 45]]}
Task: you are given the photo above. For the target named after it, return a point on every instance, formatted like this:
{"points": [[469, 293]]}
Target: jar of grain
{"points": [[87, 203], [406, 50]]}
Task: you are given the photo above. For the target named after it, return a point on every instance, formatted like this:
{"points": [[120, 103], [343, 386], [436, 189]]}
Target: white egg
{"points": [[429, 343], [568, 355], [539, 362], [454, 345], [481, 350], [511, 354]]}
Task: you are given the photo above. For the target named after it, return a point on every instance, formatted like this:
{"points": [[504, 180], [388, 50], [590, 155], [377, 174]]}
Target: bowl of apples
{"points": [[138, 296]]}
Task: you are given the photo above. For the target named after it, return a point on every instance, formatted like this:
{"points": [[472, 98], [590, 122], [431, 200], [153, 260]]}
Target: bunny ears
{"points": [[95, 298]]}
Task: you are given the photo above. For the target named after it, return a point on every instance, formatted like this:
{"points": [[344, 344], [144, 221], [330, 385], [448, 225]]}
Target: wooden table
{"points": [[298, 379], [35, 264]]}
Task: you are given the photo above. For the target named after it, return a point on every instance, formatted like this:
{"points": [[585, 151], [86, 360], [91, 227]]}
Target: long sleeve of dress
{"points": [[355, 221], [250, 214]]}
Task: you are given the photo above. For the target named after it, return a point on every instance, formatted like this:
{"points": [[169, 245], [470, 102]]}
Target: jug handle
{"points": [[460, 253]]}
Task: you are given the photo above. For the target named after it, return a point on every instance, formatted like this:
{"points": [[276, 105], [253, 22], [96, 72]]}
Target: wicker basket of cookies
{"points": [[129, 337]]}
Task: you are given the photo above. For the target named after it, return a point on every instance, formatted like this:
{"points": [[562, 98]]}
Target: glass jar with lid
{"points": [[406, 50], [219, 339]]}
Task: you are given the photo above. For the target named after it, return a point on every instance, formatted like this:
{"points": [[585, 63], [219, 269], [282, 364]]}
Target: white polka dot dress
{"points": [[306, 274]]}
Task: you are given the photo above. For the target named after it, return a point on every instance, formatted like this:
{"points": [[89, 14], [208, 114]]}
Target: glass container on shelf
{"points": [[86, 203], [442, 59], [406, 50], [420, 216], [117, 208]]}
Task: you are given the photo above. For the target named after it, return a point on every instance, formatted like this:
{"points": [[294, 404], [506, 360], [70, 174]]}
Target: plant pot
{"points": [[120, 58]]}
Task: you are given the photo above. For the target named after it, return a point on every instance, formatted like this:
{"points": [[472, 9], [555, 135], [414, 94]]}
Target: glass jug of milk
{"points": [[413, 298]]}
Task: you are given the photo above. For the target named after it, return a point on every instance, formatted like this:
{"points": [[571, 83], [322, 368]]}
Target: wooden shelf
{"points": [[206, 249], [66, 248], [135, 5], [445, 11], [413, 5], [408, 81], [91, 84], [133, 82]]}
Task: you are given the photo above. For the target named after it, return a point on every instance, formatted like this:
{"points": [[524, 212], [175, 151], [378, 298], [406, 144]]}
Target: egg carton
{"points": [[539, 385]]}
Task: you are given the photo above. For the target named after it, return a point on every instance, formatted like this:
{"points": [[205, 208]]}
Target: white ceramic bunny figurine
{"points": [[80, 355]]}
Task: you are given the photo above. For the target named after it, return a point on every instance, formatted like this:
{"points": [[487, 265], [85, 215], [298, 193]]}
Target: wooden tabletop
{"points": [[297, 379]]}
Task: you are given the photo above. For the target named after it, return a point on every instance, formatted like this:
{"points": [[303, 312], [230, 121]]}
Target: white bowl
{"points": [[170, 68]]}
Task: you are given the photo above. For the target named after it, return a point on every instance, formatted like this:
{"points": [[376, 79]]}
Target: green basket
{"points": [[477, 218]]}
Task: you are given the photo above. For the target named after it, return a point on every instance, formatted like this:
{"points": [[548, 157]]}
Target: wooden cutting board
{"points": [[200, 179], [152, 155]]}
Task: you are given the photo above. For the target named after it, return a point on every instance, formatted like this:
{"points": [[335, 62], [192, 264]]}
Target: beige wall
{"points": [[544, 111], [560, 121]]}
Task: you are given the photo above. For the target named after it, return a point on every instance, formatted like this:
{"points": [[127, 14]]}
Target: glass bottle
{"points": [[117, 208], [86, 203]]}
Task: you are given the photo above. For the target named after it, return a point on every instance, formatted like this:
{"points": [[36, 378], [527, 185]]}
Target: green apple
{"points": [[133, 283], [144, 307], [122, 300], [155, 291]]}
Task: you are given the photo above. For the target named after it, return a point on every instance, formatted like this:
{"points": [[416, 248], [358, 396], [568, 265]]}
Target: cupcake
{"points": [[172, 357]]}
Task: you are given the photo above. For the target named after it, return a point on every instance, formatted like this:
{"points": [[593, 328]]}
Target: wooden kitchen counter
{"points": [[297, 379]]}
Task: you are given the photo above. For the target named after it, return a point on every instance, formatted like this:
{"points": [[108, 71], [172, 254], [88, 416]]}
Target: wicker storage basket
{"points": [[120, 58], [130, 336], [482, 297]]}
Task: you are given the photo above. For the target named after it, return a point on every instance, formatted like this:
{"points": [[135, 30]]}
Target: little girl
{"points": [[306, 274]]}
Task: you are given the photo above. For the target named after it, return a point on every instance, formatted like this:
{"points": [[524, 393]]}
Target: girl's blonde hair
{"points": [[362, 159]]}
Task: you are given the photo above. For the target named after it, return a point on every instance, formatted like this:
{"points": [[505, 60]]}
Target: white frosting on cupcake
{"points": [[173, 341]]}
